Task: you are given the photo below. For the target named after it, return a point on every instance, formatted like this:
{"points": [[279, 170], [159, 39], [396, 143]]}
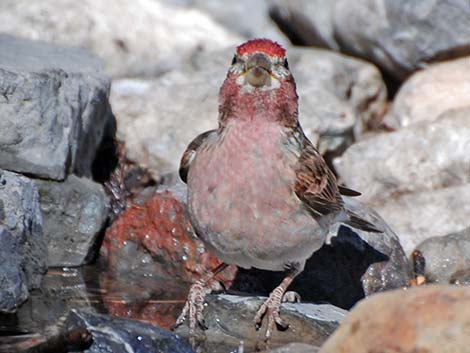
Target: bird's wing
{"points": [[348, 192], [316, 184], [190, 153]]}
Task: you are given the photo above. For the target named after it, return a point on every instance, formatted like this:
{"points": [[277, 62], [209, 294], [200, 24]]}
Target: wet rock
{"points": [[151, 39], [155, 299], [155, 237], [60, 291], [295, 348], [23, 259], [429, 93], [427, 319], [447, 258], [230, 319], [158, 118], [116, 335], [353, 264], [74, 213], [54, 107]]}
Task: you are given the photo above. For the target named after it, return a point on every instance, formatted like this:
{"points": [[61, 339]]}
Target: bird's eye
{"points": [[234, 60], [286, 64]]}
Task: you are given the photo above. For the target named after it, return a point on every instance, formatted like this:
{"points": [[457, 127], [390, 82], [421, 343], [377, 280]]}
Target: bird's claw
{"points": [[270, 308], [193, 307]]}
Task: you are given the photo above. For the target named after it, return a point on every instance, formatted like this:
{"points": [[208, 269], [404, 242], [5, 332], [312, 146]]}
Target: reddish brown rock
{"points": [[156, 237], [427, 319]]}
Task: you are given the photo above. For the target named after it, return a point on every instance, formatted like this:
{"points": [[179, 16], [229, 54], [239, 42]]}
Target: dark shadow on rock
{"points": [[333, 274]]}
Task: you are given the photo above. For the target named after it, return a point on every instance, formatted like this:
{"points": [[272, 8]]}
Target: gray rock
{"points": [[414, 159], [13, 284], [54, 108], [158, 118], [74, 213], [447, 258], [401, 36], [295, 348], [306, 22], [241, 17], [111, 334], [418, 216], [23, 259], [429, 93], [230, 319], [149, 40]]}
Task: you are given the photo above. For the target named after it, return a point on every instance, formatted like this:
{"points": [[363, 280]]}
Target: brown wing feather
{"points": [[189, 154], [316, 184]]}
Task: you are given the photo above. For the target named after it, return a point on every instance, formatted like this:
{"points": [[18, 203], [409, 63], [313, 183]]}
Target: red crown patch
{"points": [[265, 46]]}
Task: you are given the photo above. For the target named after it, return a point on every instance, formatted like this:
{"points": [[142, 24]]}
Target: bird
{"points": [[259, 194]]}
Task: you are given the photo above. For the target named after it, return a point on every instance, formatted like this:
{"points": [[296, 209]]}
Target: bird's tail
{"points": [[357, 222]]}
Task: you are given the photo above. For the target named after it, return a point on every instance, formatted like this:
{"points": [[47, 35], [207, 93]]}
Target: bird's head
{"points": [[259, 77]]}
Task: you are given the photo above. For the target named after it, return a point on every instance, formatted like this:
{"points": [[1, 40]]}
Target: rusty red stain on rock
{"points": [[160, 227]]}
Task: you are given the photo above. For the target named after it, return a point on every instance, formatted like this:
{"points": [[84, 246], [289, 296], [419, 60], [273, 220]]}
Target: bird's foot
{"points": [[194, 306], [270, 308], [195, 302]]}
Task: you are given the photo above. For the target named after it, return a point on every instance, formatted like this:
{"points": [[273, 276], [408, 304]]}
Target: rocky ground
{"points": [[98, 100]]}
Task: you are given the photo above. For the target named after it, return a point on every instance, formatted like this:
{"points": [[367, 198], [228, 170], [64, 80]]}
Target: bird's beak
{"points": [[258, 70]]}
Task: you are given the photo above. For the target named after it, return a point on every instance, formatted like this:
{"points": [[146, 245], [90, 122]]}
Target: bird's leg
{"points": [[195, 301], [272, 305]]}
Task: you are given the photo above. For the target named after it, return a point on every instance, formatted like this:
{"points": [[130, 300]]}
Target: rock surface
{"points": [[158, 118], [295, 348], [384, 167], [447, 258], [417, 178], [401, 37], [74, 213], [138, 38], [116, 335], [155, 237], [230, 319], [431, 319], [429, 93], [54, 108], [23, 259], [352, 265]]}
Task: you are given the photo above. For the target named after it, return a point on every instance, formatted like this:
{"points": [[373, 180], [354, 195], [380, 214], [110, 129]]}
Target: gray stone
{"points": [[306, 22], [111, 334], [418, 216], [23, 258], [295, 348], [150, 39], [447, 258], [429, 93], [54, 108], [403, 36], [398, 35], [74, 213], [158, 118], [414, 159], [13, 284], [229, 320], [241, 17]]}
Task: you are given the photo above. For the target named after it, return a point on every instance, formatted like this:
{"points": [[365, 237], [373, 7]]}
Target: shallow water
{"points": [[154, 300]]}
